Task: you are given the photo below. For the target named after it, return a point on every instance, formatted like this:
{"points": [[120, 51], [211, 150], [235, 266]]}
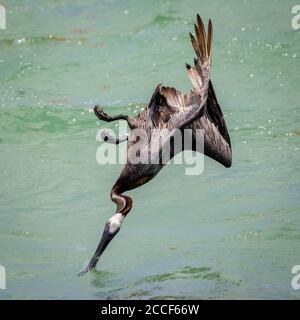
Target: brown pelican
{"points": [[171, 110]]}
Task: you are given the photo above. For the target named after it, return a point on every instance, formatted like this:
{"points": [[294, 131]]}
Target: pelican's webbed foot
{"points": [[105, 117]]}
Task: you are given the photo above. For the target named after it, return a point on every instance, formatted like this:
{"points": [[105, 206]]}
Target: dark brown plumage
{"points": [[170, 110]]}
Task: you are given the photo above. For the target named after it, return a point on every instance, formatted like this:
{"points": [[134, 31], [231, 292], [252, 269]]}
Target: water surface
{"points": [[229, 233]]}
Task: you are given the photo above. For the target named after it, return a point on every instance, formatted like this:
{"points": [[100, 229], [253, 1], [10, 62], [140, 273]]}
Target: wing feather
{"points": [[172, 109]]}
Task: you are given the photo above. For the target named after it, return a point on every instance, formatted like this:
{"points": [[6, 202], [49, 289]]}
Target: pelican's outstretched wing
{"points": [[169, 105], [169, 108], [214, 114]]}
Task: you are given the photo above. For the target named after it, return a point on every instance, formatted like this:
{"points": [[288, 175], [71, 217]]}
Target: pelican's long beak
{"points": [[105, 240]]}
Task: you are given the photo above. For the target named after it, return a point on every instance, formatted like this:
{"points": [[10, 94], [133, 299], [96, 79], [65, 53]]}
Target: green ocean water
{"points": [[228, 233]]}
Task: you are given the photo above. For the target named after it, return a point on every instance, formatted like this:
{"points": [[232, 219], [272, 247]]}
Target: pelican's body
{"points": [[168, 111]]}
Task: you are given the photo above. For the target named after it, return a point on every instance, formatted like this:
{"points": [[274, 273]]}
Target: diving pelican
{"points": [[169, 109]]}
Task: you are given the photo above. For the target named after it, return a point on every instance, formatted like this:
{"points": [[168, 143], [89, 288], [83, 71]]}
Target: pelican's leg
{"points": [[110, 139], [112, 226], [105, 117]]}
